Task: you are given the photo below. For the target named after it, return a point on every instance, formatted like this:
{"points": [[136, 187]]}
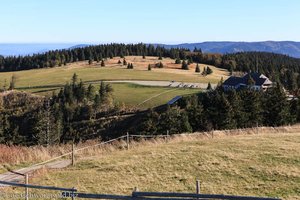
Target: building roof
{"points": [[258, 78], [172, 101], [233, 81]]}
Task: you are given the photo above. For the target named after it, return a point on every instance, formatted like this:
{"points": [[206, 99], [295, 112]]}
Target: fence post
{"points": [[26, 188], [73, 154], [127, 141], [167, 138], [73, 195], [198, 187]]}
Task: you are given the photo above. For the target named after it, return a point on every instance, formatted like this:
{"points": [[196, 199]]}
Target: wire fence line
{"points": [[95, 145], [207, 133]]}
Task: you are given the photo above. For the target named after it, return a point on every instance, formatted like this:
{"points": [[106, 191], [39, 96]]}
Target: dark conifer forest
{"points": [[219, 110], [79, 112]]}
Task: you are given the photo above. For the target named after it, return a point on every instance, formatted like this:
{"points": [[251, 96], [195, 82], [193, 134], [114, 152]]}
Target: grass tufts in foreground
{"points": [[259, 165]]}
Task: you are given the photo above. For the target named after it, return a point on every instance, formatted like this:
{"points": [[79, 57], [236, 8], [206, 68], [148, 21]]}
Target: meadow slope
{"points": [[260, 164], [112, 71], [49, 80]]}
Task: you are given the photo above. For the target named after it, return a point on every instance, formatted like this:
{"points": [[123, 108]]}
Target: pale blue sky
{"points": [[163, 21]]}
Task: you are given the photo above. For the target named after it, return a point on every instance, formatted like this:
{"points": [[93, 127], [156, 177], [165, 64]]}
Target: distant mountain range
{"points": [[283, 47]]}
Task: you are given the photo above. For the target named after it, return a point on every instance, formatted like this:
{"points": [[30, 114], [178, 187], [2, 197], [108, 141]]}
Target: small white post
{"points": [[127, 141], [73, 154]]}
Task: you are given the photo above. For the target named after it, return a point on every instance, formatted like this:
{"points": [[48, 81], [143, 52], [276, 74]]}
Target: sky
{"points": [[148, 21]]}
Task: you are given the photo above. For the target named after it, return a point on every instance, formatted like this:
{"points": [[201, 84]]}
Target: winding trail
{"points": [[156, 96]]}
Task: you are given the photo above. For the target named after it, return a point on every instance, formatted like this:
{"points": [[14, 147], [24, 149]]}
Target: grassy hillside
{"points": [[133, 95], [261, 165], [112, 71], [45, 81]]}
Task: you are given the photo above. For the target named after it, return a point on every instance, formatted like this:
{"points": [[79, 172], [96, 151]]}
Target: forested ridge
{"points": [[71, 115], [219, 110], [277, 67], [79, 112], [91, 53]]}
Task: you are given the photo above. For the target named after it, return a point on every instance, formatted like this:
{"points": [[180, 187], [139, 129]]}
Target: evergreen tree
{"points": [[197, 70], [276, 107], [208, 70], [150, 125], [102, 92], [97, 103], [174, 121], [238, 109], [184, 65], [160, 65], [90, 92], [74, 79], [130, 66], [97, 59], [204, 72], [209, 87], [196, 114], [124, 62], [160, 57], [177, 61], [190, 61], [226, 118], [252, 106], [90, 61], [102, 63]]}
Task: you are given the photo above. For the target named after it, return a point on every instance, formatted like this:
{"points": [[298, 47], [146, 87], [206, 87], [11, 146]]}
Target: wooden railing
{"points": [[72, 193]]}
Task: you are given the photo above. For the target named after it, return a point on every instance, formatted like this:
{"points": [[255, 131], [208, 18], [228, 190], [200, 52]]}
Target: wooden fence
{"points": [[73, 193]]}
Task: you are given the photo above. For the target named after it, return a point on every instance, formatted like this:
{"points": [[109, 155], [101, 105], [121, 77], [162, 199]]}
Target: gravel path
{"points": [[165, 83], [11, 177]]}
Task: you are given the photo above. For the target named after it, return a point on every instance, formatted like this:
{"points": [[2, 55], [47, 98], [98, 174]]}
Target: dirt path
{"points": [[11, 177], [174, 84]]}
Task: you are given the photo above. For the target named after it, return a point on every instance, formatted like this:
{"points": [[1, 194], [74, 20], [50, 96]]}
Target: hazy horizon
{"points": [[95, 43]]}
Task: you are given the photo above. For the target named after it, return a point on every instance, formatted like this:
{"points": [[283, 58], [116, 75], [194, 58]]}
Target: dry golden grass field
{"points": [[264, 164], [112, 71], [45, 81]]}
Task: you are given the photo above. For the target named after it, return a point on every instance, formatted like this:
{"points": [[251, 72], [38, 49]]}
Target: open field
{"points": [[133, 95], [265, 164], [45, 81], [112, 71]]}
